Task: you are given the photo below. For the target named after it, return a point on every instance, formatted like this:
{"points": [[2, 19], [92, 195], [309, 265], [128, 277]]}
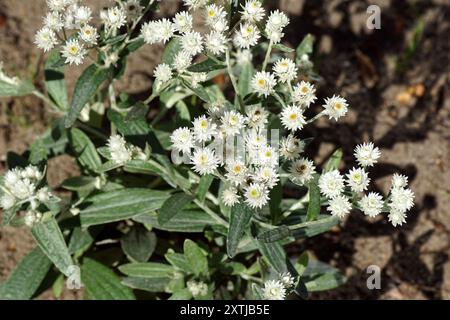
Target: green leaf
{"points": [[240, 219], [38, 151], [334, 161], [143, 167], [245, 79], [121, 204], [257, 292], [181, 294], [50, 239], [84, 150], [274, 235], [322, 224], [319, 276], [147, 270], [23, 88], [85, 88], [171, 50], [139, 244], [8, 215], [26, 277], [101, 283], [195, 257], [302, 263], [173, 206], [179, 261], [305, 47], [204, 185], [199, 91], [207, 66], [187, 220], [276, 256], [283, 48], [81, 183], [314, 200], [82, 239], [54, 81], [147, 284]]}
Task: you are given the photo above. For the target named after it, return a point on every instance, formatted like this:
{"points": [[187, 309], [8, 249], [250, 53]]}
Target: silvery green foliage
{"points": [[193, 201]]}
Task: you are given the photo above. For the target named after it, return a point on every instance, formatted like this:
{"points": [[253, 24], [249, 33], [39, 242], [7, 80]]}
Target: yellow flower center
{"points": [[203, 159], [254, 193], [73, 50], [261, 83], [305, 90], [237, 169], [268, 154], [293, 116], [211, 13], [204, 124], [338, 106]]}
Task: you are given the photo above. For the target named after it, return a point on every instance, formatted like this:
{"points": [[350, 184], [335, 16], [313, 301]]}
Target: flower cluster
{"points": [[197, 288], [344, 193], [20, 187], [278, 289], [120, 152]]}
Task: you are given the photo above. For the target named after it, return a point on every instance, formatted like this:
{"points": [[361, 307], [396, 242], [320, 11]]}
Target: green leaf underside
{"points": [[147, 284], [147, 270], [240, 219]]}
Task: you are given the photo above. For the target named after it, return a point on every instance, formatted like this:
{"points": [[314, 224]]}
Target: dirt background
{"points": [[405, 111]]}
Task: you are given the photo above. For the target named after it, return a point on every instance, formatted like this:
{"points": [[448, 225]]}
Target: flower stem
{"points": [[266, 59], [233, 81]]}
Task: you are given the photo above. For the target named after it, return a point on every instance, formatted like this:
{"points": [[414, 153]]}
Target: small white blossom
{"points": [[7, 201], [74, 52], [286, 70], [267, 176], [230, 197], [214, 13], [397, 218], [89, 34], [182, 22], [339, 206], [182, 140], [133, 9], [263, 83], [358, 180], [204, 161], [247, 36], [57, 5], [53, 21], [113, 18], [292, 118], [275, 24], [192, 43], [371, 204], [302, 171], [257, 116], [46, 39], [232, 122], [216, 42], [304, 93], [331, 184], [82, 15], [399, 181], [204, 129], [291, 147], [367, 154], [236, 172], [253, 11], [197, 78], [274, 290], [244, 56], [163, 72], [256, 195], [268, 156], [335, 107], [118, 149], [182, 61], [401, 200], [287, 280], [194, 4]]}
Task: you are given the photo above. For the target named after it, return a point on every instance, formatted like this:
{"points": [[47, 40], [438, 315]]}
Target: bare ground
{"points": [[405, 112]]}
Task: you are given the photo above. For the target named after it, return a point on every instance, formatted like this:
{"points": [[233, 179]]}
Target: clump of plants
{"points": [[198, 198]]}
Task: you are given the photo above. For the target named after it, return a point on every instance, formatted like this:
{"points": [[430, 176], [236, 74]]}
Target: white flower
{"points": [[371, 204], [194, 4], [53, 21], [204, 129], [367, 154], [236, 172], [256, 195], [302, 171], [204, 161], [286, 70], [197, 288], [268, 156], [275, 24], [253, 11], [82, 15], [43, 195], [214, 13], [257, 116], [182, 22], [304, 93], [215, 42], [291, 147], [133, 9], [221, 25], [292, 118], [46, 39], [192, 43], [232, 122], [244, 56], [31, 218], [358, 180], [339, 206], [267, 176], [182, 140], [198, 77], [113, 18], [230, 197], [23, 189], [255, 140], [11, 178], [331, 184], [399, 181], [57, 5], [118, 149], [31, 172], [247, 36], [397, 218], [182, 61], [287, 280], [163, 72], [7, 201], [89, 34], [401, 199], [74, 52], [335, 107], [263, 83], [274, 290]]}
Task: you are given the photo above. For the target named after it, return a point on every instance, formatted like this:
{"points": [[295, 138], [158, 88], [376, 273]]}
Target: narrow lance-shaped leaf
{"points": [[54, 80], [203, 186], [173, 206], [314, 200], [334, 161], [239, 221], [85, 150], [85, 88], [147, 270]]}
